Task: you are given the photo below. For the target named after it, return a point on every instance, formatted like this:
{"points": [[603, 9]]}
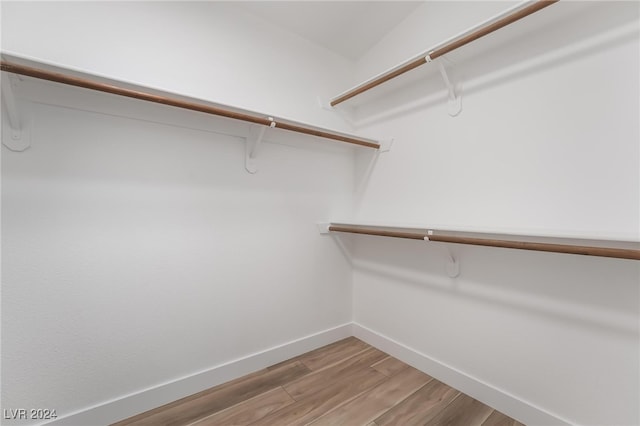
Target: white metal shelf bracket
{"points": [[385, 145], [252, 145], [454, 99], [343, 111], [16, 136], [323, 227], [453, 265], [346, 114]]}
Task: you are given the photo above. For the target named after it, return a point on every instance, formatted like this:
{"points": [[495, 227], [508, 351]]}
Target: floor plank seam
{"points": [[407, 397], [340, 361], [345, 402], [443, 409], [488, 415], [315, 352], [306, 365], [450, 402], [376, 400], [214, 413], [290, 396], [343, 369]]}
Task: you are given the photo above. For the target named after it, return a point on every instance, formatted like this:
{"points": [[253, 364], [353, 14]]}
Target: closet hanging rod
{"points": [[444, 49], [432, 235], [207, 109]]}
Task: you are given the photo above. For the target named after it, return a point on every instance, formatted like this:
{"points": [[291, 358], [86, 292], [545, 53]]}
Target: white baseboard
{"points": [[130, 405], [500, 400]]}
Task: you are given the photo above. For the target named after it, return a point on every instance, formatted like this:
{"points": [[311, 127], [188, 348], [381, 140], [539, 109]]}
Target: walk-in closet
{"points": [[357, 213]]}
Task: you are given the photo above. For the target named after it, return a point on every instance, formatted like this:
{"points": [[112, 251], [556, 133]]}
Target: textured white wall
{"points": [[136, 253], [547, 143], [207, 50]]}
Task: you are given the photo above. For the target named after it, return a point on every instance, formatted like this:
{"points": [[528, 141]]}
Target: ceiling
{"points": [[349, 28]]}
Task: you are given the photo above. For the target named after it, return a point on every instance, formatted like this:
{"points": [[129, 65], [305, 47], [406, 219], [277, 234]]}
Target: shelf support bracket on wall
{"points": [[16, 135], [252, 145], [344, 112], [453, 265], [454, 99], [386, 144], [346, 115], [323, 227]]}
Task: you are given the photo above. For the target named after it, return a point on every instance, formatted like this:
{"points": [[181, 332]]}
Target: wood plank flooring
{"points": [[345, 383]]}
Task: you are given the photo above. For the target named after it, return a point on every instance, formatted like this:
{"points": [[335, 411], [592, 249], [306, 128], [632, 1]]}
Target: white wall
{"points": [[547, 143], [207, 50], [136, 253]]}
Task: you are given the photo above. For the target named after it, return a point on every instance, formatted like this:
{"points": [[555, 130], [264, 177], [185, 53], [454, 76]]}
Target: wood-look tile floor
{"points": [[345, 383]]}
